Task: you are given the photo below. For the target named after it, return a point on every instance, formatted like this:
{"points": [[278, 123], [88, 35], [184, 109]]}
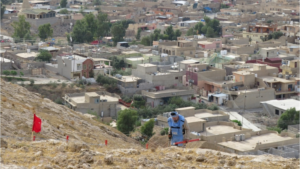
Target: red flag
{"points": [[37, 124]]}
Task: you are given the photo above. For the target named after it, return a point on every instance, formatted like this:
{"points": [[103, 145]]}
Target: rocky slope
{"points": [[85, 148]]}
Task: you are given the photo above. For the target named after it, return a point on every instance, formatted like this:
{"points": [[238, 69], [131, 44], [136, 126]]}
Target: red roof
{"points": [[95, 42]]}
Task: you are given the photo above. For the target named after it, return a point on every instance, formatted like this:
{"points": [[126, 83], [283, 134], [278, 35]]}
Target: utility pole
{"points": [[244, 105]]}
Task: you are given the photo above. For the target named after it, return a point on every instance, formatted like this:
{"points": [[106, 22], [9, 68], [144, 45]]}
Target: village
{"points": [[231, 68]]}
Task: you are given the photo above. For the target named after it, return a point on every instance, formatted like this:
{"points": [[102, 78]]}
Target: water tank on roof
{"points": [[237, 137]]}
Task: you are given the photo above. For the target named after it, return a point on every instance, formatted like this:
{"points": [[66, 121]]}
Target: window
{"points": [[90, 66], [291, 49], [84, 67], [97, 100], [218, 45], [241, 78], [78, 66], [276, 112], [176, 77], [191, 52]]}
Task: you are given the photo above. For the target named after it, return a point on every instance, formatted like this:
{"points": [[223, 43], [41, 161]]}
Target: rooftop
{"points": [[193, 119], [250, 143], [27, 55], [271, 79], [219, 129], [206, 115], [284, 104], [81, 98]]}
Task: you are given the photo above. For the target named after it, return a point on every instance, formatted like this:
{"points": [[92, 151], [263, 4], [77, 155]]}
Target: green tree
{"points": [[190, 32], [44, 56], [2, 10], [289, 117], [210, 32], [146, 41], [118, 32], [63, 3], [138, 35], [45, 31], [63, 11], [126, 120], [277, 35], [13, 72], [177, 34], [170, 32], [117, 63], [147, 128], [30, 38], [97, 2], [6, 72], [21, 28], [103, 24], [198, 27]]}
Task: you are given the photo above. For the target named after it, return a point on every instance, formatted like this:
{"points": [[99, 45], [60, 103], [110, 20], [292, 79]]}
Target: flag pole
{"points": [[33, 111]]}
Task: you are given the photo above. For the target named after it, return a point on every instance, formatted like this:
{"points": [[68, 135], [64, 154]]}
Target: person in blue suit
{"points": [[178, 128]]}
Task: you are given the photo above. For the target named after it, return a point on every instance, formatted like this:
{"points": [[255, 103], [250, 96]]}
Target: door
{"points": [[295, 64]]}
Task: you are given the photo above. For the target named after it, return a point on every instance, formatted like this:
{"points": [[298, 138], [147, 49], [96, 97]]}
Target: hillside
{"points": [[86, 147]]}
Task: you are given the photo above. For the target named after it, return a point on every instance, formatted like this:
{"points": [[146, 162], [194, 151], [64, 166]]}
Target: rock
{"points": [[222, 161], [3, 144], [109, 159], [188, 157], [70, 167], [48, 167], [200, 159], [85, 166], [99, 162], [76, 147], [230, 162], [38, 154]]}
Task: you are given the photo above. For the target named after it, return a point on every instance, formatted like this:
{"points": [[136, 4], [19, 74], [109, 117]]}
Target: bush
{"points": [[237, 121], [21, 74], [138, 123], [147, 128], [31, 82], [14, 73], [213, 107], [126, 99], [278, 129], [126, 120], [164, 131], [6, 72], [53, 85], [59, 101], [63, 85], [72, 85], [289, 117]]}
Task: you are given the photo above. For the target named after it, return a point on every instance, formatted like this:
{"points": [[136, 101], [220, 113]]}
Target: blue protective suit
{"points": [[176, 129]]}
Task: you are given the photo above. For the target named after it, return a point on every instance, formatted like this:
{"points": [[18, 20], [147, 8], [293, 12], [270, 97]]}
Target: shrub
{"points": [[63, 85], [31, 82], [59, 101], [138, 123], [164, 131], [237, 121], [213, 107], [14, 73], [278, 129], [147, 128], [6, 72], [21, 74]]}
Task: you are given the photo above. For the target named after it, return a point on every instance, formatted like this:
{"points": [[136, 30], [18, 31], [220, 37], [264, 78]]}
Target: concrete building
{"points": [[156, 97], [268, 52], [284, 88], [290, 67], [277, 107], [102, 104]]}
